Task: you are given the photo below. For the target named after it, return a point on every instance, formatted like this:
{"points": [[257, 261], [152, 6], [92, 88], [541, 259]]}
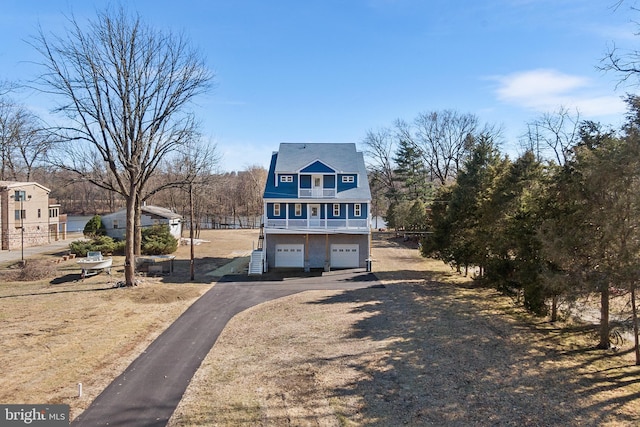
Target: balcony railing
{"points": [[317, 193], [318, 223]]}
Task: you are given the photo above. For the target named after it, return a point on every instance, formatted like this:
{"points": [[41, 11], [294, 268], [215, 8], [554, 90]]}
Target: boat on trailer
{"points": [[95, 263]]}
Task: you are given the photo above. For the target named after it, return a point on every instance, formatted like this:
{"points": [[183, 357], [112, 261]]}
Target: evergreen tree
{"points": [[94, 227], [460, 231], [596, 240], [417, 218], [411, 172], [390, 218], [515, 262]]}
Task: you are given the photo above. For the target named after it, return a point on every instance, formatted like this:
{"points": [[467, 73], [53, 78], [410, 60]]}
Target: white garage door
{"points": [[345, 256], [289, 255]]}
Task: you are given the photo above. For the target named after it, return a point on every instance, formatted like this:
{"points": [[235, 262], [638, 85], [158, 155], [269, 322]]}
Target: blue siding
{"points": [[305, 181], [329, 181], [270, 213], [343, 211], [352, 210], [317, 167], [284, 190], [289, 188], [347, 185], [329, 210], [292, 211]]}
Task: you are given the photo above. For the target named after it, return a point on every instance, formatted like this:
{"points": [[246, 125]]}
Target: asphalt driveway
{"points": [[148, 391]]}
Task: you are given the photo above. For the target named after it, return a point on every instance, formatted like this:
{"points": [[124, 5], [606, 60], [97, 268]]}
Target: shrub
{"points": [[157, 240], [80, 247], [34, 270], [104, 244], [94, 227]]}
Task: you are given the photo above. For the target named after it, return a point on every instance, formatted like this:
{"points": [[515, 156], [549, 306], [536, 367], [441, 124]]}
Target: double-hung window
{"points": [[298, 209], [276, 209], [336, 209], [356, 209]]}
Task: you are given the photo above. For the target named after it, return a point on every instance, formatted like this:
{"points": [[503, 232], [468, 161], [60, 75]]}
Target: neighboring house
{"points": [[316, 208], [27, 216], [116, 223]]}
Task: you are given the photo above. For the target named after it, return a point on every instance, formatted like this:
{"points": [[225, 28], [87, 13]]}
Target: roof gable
{"points": [[318, 167], [18, 184], [292, 157]]}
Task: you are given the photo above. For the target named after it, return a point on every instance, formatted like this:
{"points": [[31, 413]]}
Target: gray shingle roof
{"points": [[294, 156], [149, 210], [342, 157]]}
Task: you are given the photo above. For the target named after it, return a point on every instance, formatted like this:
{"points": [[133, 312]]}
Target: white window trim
{"points": [[357, 209], [276, 209], [348, 178], [298, 208], [336, 209], [286, 178]]}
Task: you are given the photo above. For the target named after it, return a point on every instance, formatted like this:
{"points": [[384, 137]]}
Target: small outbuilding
{"points": [[115, 223]]}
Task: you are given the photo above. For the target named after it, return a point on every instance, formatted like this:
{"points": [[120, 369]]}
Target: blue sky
{"points": [[330, 70]]}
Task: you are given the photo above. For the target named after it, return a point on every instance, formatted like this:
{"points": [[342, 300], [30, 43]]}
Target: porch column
{"points": [[347, 209], [325, 215], [307, 267], [286, 215], [327, 262]]}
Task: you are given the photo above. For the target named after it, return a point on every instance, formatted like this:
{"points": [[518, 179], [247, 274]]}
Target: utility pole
{"points": [[20, 195], [191, 230]]}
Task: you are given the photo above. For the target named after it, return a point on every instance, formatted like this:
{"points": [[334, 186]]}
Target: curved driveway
{"points": [[148, 391]]}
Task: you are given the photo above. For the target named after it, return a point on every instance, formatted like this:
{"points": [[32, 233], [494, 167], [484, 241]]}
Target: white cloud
{"points": [[545, 90]]}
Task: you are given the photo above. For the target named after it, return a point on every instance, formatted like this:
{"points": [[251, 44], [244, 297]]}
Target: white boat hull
{"points": [[88, 265]]}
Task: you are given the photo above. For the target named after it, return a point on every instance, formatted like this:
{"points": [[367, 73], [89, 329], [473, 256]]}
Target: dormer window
{"points": [[347, 178], [286, 178]]}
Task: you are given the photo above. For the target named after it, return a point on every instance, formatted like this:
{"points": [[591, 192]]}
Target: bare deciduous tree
{"points": [[124, 89], [555, 132], [379, 150], [23, 141], [445, 139]]}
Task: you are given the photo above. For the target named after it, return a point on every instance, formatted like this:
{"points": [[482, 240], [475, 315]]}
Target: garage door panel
{"points": [[345, 256], [289, 255]]}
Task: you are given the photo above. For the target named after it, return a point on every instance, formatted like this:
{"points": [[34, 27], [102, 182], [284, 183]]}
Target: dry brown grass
{"points": [[60, 331], [430, 348]]}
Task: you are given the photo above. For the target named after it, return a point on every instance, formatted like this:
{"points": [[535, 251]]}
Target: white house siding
{"points": [[146, 220]]}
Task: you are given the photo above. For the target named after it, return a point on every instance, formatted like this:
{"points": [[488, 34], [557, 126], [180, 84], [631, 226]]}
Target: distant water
{"points": [[378, 222], [76, 223]]}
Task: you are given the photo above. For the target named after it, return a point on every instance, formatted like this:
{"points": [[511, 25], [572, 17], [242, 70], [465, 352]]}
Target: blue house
{"points": [[316, 208]]}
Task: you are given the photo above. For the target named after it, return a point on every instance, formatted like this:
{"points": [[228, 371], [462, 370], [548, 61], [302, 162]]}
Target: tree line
{"points": [[560, 221]]}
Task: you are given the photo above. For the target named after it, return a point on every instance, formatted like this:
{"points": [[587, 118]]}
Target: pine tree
{"points": [[411, 172]]}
